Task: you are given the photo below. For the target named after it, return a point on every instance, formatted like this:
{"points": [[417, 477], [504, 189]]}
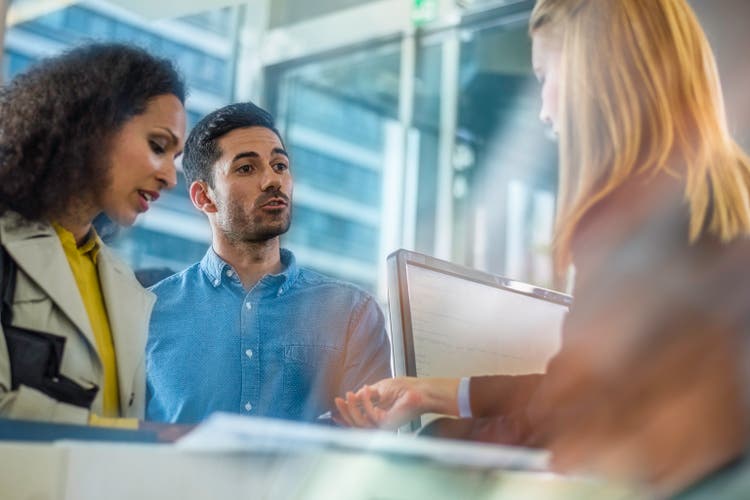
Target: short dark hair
{"points": [[202, 145], [58, 118]]}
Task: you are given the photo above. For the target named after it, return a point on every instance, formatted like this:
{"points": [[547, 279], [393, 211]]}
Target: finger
{"points": [[344, 416], [360, 393], [345, 412], [355, 411], [367, 404], [374, 414], [356, 414]]}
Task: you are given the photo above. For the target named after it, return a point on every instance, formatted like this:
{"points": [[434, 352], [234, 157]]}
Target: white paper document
{"points": [[229, 433]]}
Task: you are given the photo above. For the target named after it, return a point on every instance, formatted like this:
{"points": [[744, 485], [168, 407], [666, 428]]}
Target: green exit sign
{"points": [[423, 11]]}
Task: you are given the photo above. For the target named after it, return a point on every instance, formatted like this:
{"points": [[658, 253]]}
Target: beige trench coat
{"points": [[47, 299]]}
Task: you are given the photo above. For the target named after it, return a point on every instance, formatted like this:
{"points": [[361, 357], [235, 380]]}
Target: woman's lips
{"points": [[146, 197]]}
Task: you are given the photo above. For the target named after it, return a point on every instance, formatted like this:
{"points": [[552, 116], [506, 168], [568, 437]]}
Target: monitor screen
{"points": [[451, 321]]}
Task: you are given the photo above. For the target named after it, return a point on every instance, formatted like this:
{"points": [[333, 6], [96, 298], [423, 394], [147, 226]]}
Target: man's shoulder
{"points": [[308, 278], [181, 280], [176, 298], [335, 293]]}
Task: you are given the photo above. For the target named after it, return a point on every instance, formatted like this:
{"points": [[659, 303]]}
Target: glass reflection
{"points": [[504, 167], [337, 116]]}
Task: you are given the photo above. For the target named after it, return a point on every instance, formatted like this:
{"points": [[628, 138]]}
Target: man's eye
{"points": [[280, 167], [243, 169], [156, 147]]}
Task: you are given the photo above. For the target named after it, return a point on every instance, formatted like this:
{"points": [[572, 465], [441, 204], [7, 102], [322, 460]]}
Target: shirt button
{"points": [[230, 273], [216, 282], [248, 305], [249, 353], [248, 406]]}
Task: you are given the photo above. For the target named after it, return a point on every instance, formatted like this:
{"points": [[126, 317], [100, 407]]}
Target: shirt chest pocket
{"points": [[311, 376]]}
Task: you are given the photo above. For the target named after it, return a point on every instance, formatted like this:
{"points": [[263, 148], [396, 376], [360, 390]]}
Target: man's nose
{"points": [[271, 180]]}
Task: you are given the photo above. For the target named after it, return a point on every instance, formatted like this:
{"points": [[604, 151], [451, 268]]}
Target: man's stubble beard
{"points": [[239, 226]]}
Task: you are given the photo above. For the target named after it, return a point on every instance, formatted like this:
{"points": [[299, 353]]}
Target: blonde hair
{"points": [[640, 94]]}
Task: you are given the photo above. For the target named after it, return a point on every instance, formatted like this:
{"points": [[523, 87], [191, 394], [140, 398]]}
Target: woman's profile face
{"points": [[546, 54], [142, 159]]}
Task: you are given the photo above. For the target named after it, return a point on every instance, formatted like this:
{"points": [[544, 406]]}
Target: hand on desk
{"points": [[166, 433], [393, 402]]}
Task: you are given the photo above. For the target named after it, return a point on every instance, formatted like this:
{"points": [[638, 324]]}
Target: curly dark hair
{"points": [[202, 145], [57, 119]]}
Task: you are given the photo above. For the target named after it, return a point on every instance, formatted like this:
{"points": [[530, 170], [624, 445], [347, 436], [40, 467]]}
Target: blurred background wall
{"points": [[410, 123]]}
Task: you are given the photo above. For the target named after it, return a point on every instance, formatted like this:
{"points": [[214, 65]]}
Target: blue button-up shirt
{"points": [[283, 349]]}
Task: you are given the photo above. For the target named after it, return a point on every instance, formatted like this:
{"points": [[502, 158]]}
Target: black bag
{"points": [[35, 357]]}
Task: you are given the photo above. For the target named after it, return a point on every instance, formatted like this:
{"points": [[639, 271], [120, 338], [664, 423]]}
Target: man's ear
{"points": [[200, 195]]}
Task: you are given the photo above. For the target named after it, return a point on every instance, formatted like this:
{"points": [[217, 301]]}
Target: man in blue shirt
{"points": [[246, 330]]}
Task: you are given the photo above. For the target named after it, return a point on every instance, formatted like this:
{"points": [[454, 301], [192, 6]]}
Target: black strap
{"points": [[7, 285]]}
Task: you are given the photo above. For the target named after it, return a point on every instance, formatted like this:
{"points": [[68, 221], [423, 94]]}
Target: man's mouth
{"points": [[275, 203]]}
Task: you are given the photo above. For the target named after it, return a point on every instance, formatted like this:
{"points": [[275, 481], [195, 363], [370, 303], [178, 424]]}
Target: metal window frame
{"points": [[365, 34]]}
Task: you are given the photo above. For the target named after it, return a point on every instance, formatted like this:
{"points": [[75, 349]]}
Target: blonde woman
{"points": [[654, 214]]}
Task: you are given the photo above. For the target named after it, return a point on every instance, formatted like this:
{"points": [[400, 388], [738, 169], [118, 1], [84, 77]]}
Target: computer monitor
{"points": [[452, 321]]}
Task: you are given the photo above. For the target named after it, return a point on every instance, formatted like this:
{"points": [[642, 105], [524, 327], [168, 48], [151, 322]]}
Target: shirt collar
{"points": [[216, 269], [286, 278], [91, 246], [213, 266]]}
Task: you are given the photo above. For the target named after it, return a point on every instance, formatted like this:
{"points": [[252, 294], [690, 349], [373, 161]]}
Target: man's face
{"points": [[252, 189]]}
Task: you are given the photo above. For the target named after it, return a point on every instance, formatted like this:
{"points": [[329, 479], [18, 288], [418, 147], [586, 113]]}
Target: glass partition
{"points": [[426, 127], [438, 151], [338, 116], [476, 171], [504, 163]]}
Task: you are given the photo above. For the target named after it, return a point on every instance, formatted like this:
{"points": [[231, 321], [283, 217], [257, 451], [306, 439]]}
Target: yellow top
{"points": [[116, 423], [82, 260]]}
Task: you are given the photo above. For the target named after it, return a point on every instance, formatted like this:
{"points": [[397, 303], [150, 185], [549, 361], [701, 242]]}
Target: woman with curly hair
{"points": [[95, 130], [654, 214]]}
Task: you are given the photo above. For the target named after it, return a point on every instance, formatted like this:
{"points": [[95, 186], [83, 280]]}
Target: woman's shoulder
{"points": [[643, 215], [14, 226], [13, 220]]}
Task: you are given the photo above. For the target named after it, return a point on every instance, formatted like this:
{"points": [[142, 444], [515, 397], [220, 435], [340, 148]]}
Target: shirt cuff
{"points": [[464, 401]]}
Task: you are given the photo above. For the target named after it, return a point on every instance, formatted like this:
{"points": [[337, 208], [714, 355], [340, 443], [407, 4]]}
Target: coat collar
{"points": [[37, 250]]}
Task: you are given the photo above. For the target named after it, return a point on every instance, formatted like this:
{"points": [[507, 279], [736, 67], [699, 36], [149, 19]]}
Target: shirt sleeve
{"points": [[368, 353], [464, 399], [498, 395]]}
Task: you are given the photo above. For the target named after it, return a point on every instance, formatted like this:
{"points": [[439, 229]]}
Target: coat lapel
{"points": [[37, 250], [128, 308]]}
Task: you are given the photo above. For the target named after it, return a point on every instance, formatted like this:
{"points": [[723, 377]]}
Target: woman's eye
{"points": [[157, 148]]}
